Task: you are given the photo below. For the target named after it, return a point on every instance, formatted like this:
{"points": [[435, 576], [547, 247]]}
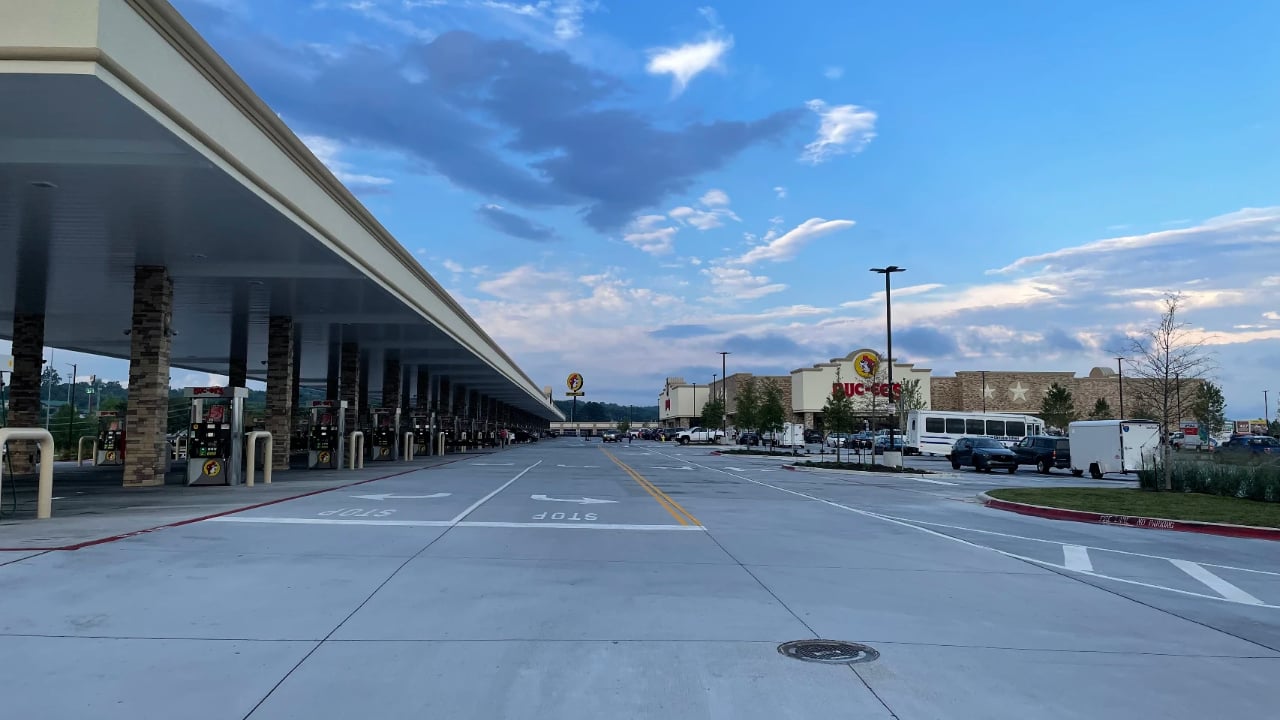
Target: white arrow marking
{"points": [[389, 496], [735, 469], [580, 501]]}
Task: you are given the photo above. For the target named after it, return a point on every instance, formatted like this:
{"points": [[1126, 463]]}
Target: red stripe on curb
{"points": [[792, 468], [180, 523], [1133, 521]]}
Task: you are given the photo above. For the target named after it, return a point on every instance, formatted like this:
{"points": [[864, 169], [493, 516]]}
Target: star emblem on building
{"points": [[1018, 391], [989, 393]]}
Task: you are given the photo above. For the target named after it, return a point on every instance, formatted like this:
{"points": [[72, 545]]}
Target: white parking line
{"points": [[449, 523], [489, 497], [1076, 557], [1036, 561], [935, 482], [1220, 586]]}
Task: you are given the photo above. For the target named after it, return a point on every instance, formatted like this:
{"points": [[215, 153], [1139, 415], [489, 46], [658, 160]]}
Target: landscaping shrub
{"points": [[1254, 482]]}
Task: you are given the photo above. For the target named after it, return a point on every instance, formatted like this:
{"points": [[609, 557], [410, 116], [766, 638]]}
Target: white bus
{"points": [[933, 432]]}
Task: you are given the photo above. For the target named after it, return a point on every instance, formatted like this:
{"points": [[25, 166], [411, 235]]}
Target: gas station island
{"points": [[152, 207]]}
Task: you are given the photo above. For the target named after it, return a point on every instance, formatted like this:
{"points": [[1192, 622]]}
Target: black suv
{"points": [[1046, 452], [984, 454]]}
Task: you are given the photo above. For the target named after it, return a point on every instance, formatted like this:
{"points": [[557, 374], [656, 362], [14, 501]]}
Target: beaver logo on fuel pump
{"points": [[324, 456], [111, 454], [212, 468]]}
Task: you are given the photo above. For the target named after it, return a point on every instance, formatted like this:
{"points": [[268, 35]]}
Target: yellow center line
{"points": [[679, 513]]}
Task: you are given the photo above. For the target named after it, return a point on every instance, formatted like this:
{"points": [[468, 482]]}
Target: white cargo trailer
{"points": [[1112, 446]]}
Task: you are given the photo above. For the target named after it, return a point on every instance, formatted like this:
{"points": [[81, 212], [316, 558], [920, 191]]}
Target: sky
{"points": [[625, 189]]}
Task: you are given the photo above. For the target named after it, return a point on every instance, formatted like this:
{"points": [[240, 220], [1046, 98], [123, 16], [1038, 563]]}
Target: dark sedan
{"points": [[983, 454]]}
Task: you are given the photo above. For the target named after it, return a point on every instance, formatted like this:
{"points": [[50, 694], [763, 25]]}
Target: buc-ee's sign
{"points": [[861, 389]]}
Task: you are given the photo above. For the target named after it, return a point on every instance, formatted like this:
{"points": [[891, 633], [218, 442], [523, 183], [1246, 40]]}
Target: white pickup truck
{"points": [[699, 435]]}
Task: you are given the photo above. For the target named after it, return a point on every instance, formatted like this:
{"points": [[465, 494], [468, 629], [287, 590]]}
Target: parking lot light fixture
{"points": [[888, 272]]}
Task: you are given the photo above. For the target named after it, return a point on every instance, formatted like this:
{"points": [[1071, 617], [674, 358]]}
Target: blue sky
{"points": [[625, 188]]}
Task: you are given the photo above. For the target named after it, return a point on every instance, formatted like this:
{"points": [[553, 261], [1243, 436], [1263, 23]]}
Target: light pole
{"points": [[888, 272], [984, 391], [724, 393], [1266, 410], [1120, 373], [71, 388]]}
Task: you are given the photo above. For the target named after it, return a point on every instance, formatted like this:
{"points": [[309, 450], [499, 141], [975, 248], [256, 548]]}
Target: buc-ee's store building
{"points": [[805, 390]]}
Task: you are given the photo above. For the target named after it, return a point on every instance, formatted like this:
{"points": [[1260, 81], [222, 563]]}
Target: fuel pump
{"points": [[423, 437], [326, 442], [215, 448], [110, 439], [385, 443]]}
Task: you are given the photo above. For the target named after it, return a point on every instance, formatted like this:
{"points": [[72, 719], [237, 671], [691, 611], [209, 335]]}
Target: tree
{"points": [[1273, 428], [772, 414], [909, 398], [746, 403], [1162, 357], [837, 414], [713, 413], [624, 426], [1209, 408], [1058, 407], [1101, 410]]}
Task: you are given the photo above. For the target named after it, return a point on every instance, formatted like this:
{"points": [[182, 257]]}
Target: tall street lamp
{"points": [[888, 272], [1120, 373], [724, 393], [984, 391]]}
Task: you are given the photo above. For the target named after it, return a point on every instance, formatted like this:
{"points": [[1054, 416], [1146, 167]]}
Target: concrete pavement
{"points": [[550, 580]]}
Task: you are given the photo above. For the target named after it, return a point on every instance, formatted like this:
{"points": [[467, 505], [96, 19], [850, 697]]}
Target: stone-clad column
{"points": [[24, 386], [280, 387], [362, 400], [296, 381], [238, 352], [151, 341], [348, 384], [390, 379], [424, 399]]}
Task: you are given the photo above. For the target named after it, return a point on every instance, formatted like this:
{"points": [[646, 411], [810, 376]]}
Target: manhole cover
{"points": [[835, 652]]}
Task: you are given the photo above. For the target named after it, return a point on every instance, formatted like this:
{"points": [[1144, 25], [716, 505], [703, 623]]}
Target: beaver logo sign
{"points": [[574, 382], [212, 468], [866, 363], [324, 456]]}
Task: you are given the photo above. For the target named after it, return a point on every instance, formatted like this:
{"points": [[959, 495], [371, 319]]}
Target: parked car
{"points": [[983, 454], [1254, 444], [1046, 452], [865, 440], [813, 436], [748, 438], [610, 436]]}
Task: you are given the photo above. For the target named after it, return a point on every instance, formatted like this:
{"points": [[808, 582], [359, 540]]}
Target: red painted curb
{"points": [[792, 468], [1143, 523], [180, 523]]}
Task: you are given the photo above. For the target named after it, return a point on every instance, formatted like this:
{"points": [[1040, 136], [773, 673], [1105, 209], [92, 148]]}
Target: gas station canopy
{"points": [[126, 140]]}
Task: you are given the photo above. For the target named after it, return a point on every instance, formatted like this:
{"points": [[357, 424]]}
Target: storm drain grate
{"points": [[834, 652]]}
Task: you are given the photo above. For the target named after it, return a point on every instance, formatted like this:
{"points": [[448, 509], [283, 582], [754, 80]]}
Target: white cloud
{"points": [[527, 281], [730, 285], [645, 233], [685, 62], [714, 198], [1271, 315], [1270, 281], [786, 246], [843, 129], [716, 204], [452, 266], [401, 25], [328, 150], [780, 191], [876, 299], [1236, 228], [833, 72]]}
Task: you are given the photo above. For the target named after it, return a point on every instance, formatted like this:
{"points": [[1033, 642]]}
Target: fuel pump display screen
{"points": [[209, 441]]}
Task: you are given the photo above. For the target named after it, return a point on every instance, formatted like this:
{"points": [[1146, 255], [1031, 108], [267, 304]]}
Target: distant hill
{"points": [[592, 411]]}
